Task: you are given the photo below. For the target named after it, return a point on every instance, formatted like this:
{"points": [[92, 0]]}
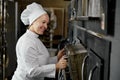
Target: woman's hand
{"points": [[61, 53], [62, 63]]}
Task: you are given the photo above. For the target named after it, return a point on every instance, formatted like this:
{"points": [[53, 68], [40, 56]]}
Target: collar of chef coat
{"points": [[32, 33]]}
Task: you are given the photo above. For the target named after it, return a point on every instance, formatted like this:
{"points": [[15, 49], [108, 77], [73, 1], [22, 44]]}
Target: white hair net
{"points": [[31, 13]]}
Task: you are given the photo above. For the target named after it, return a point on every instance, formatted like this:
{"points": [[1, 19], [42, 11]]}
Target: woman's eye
{"points": [[43, 22]]}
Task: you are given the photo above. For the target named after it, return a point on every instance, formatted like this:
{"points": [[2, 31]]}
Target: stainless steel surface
{"points": [[76, 55], [83, 66]]}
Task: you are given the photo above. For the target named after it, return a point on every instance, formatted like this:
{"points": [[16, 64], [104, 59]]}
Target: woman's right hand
{"points": [[62, 63]]}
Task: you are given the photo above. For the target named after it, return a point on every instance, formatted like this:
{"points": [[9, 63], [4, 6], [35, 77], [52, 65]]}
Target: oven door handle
{"points": [[83, 65], [92, 71]]}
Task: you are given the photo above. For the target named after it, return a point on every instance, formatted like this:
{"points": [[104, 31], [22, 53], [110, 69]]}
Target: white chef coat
{"points": [[33, 59]]}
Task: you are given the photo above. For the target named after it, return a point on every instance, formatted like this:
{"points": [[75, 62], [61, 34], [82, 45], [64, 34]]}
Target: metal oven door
{"points": [[93, 67]]}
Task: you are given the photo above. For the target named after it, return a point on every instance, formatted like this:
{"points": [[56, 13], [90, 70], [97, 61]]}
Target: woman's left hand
{"points": [[61, 53]]}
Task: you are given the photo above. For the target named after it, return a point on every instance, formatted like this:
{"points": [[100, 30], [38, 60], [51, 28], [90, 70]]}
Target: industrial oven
{"points": [[90, 29]]}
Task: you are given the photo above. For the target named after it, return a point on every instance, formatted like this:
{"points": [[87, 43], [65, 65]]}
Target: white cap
{"points": [[31, 13]]}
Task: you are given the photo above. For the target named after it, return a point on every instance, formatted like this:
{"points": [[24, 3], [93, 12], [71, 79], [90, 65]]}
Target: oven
{"points": [[88, 22], [88, 63]]}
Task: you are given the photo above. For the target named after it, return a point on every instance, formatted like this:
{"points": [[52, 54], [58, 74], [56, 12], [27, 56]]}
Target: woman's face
{"points": [[40, 24]]}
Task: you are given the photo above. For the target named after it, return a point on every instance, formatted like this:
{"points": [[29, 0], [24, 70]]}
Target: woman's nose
{"points": [[45, 26]]}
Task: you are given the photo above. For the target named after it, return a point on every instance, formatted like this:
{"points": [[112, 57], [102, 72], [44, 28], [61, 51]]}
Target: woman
{"points": [[33, 59]]}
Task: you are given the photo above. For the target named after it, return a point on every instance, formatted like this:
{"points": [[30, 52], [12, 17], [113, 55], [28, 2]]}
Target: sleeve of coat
{"points": [[35, 67], [53, 60]]}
